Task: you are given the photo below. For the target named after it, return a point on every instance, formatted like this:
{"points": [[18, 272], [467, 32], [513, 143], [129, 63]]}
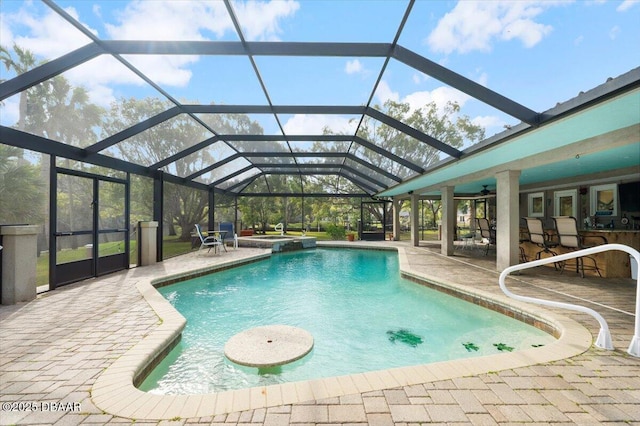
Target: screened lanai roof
{"points": [[261, 98]]}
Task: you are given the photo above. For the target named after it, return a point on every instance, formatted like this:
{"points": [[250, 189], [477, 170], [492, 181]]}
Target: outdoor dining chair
{"points": [[539, 237], [486, 232], [569, 238], [211, 241]]}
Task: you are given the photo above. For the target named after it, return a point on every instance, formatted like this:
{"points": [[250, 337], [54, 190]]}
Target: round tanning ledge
{"points": [[268, 346]]}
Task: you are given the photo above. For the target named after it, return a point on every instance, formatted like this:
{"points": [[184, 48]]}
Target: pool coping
{"points": [[114, 391]]}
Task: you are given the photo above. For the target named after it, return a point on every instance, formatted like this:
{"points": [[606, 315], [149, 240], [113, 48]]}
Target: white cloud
{"points": [[613, 32], [488, 121], [475, 25], [384, 93], [529, 32], [420, 77], [191, 20], [49, 36], [6, 36], [101, 95], [483, 78], [97, 10], [303, 124], [10, 110], [165, 70], [626, 5], [419, 99], [260, 20], [440, 96], [169, 20], [353, 67]]}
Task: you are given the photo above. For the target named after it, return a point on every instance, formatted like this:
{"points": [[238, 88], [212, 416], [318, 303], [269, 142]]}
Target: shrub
{"points": [[335, 232]]}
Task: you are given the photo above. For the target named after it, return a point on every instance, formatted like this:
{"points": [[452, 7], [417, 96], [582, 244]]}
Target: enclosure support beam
{"points": [[212, 212], [127, 218], [158, 197], [53, 221], [235, 214]]}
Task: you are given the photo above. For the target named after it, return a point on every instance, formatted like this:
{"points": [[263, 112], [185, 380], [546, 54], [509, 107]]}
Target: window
{"points": [[604, 200], [536, 204], [564, 203]]}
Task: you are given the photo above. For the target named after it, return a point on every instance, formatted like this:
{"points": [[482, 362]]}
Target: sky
{"points": [[538, 53]]}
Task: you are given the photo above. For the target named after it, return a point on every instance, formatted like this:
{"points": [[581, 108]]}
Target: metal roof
{"points": [[241, 163]]}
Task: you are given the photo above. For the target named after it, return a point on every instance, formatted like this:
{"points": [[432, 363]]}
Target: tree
{"points": [[256, 210], [23, 61], [21, 195], [183, 206], [446, 125], [52, 109], [433, 207], [63, 113]]}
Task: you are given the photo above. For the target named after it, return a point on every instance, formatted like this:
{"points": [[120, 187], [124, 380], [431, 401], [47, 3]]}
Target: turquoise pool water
{"points": [[362, 315]]}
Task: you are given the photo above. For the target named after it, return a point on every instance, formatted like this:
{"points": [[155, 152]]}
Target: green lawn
{"points": [[172, 246]]}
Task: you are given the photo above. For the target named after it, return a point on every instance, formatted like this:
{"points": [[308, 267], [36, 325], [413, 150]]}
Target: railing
{"points": [[604, 336]]}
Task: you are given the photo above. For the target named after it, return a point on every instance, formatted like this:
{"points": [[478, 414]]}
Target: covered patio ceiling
{"points": [[242, 162]]}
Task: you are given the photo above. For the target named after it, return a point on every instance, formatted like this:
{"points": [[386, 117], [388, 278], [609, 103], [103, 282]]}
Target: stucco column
{"points": [[19, 258], [397, 204], [147, 243], [448, 220], [507, 218], [415, 219]]}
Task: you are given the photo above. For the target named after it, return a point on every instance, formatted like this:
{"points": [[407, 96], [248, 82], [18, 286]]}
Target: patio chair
{"points": [[486, 232], [539, 237], [228, 227], [569, 238], [211, 242]]}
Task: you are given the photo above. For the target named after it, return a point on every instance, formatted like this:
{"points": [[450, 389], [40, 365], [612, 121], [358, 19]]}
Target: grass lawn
{"points": [[172, 246]]}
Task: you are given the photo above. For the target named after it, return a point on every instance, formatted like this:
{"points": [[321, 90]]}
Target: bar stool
{"points": [[567, 229], [539, 237]]}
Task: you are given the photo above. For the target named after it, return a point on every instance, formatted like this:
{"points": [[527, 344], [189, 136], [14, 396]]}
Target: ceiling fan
{"points": [[485, 191]]}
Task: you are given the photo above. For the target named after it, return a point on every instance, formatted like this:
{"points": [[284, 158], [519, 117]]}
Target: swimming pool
{"points": [[362, 315]]}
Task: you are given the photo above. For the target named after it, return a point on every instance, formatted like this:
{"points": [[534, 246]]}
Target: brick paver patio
{"points": [[53, 350]]}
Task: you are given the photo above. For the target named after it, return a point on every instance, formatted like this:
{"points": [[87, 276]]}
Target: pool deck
{"points": [[78, 346]]}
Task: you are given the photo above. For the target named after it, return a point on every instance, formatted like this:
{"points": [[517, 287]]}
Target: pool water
{"points": [[362, 314]]}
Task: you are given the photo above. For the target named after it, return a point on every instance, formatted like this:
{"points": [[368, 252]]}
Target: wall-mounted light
{"points": [[410, 192]]}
